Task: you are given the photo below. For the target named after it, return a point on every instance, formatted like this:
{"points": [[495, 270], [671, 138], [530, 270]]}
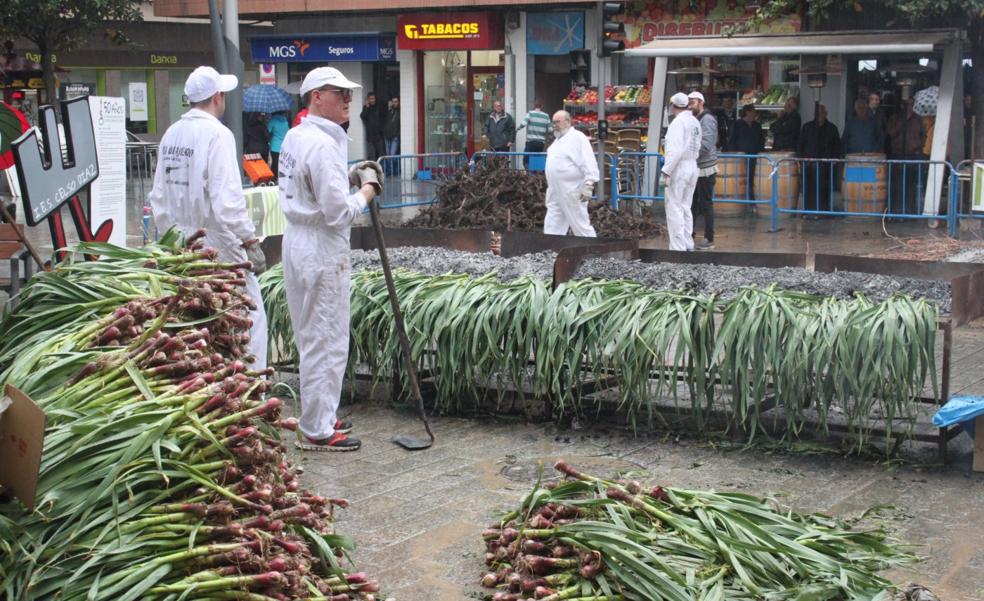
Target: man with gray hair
{"points": [[679, 172], [572, 171]]}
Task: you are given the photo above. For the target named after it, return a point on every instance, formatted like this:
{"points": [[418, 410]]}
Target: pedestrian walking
{"points": [[706, 168], [747, 137], [538, 124], [572, 171], [278, 128], [256, 137], [372, 120], [818, 140], [862, 133], [679, 173], [500, 129], [786, 128], [198, 184], [907, 135], [319, 208]]}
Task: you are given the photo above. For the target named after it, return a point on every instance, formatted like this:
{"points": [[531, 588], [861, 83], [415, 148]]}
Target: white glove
{"points": [[587, 190], [256, 256], [367, 172]]}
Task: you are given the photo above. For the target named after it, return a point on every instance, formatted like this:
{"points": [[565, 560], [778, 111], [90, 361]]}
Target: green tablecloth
{"points": [[263, 203]]}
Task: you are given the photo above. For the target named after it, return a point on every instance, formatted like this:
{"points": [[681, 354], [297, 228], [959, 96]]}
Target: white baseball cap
{"points": [[679, 100], [205, 82], [696, 95], [326, 76]]}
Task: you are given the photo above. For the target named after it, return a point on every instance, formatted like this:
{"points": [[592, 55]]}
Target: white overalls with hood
{"points": [[680, 166], [197, 184], [570, 164], [315, 198]]}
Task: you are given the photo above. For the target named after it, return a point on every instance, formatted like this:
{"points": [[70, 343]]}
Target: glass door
{"points": [[486, 85]]}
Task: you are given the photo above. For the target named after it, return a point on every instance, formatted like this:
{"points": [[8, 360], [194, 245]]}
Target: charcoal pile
{"points": [[494, 197]]}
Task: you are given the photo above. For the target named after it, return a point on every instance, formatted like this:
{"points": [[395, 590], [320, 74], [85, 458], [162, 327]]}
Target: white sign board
{"points": [[138, 101], [977, 188], [268, 73], [107, 194]]}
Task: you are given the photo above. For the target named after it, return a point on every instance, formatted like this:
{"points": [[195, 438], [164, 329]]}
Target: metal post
{"points": [[774, 220], [600, 189], [218, 45], [234, 99]]}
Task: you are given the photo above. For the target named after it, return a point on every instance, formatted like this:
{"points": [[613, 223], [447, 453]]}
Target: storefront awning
{"points": [[853, 42]]}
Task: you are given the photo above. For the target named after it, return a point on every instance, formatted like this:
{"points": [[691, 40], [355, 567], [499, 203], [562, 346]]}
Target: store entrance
{"points": [[486, 85]]}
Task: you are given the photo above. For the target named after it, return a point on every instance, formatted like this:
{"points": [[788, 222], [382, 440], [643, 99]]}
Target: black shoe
{"points": [[343, 426]]}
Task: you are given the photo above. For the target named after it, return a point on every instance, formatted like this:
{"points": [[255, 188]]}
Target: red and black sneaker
{"points": [[343, 426], [337, 442]]}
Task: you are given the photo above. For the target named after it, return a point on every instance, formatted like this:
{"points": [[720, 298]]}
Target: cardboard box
{"points": [[21, 444]]}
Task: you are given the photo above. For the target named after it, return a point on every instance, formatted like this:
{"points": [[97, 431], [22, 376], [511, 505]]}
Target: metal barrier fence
{"points": [[413, 179], [141, 161], [855, 186]]}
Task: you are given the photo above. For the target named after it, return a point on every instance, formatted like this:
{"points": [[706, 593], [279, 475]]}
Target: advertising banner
{"points": [[648, 21], [450, 31], [107, 194], [554, 33], [321, 48]]}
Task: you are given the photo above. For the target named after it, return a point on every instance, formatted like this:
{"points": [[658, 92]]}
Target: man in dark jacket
{"points": [[818, 140], [256, 138], [372, 120], [747, 138], [500, 129], [786, 128], [907, 136], [391, 135], [707, 162]]}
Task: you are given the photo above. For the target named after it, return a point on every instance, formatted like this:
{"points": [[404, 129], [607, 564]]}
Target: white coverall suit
{"points": [[570, 164], [681, 150], [315, 198], [197, 184]]}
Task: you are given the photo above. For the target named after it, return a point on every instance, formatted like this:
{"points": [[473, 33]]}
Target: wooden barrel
{"points": [[788, 179], [865, 185], [732, 182]]}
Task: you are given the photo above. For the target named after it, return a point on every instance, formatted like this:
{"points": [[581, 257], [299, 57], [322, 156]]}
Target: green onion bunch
{"points": [[811, 357], [590, 539], [163, 474]]}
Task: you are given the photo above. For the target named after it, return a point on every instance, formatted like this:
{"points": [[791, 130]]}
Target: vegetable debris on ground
{"points": [[592, 539], [808, 356], [163, 474], [493, 196]]}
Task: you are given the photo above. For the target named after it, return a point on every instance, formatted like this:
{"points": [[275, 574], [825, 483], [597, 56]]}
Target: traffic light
{"points": [[611, 28]]}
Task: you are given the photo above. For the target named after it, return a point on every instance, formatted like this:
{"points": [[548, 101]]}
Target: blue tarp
{"points": [[960, 410]]}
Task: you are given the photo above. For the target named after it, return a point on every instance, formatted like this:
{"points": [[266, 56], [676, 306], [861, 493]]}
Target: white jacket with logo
{"points": [[198, 184]]}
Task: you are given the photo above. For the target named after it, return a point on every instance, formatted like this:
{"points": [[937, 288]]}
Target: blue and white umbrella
{"points": [[265, 98]]}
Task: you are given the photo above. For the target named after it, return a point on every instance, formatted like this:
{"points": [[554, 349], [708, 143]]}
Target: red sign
{"points": [[450, 31]]}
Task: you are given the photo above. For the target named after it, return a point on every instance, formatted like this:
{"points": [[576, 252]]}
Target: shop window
{"points": [[445, 102]]}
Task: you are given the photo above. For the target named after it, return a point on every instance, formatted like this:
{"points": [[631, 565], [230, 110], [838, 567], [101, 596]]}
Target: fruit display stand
{"points": [[625, 107]]}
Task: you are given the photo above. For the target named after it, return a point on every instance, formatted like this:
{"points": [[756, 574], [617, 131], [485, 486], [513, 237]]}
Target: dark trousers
{"points": [[275, 164], [375, 148], [703, 204], [531, 146], [906, 182], [817, 178]]}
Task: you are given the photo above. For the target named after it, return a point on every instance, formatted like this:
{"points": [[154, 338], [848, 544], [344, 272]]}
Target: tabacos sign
{"points": [[449, 31], [322, 48]]}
